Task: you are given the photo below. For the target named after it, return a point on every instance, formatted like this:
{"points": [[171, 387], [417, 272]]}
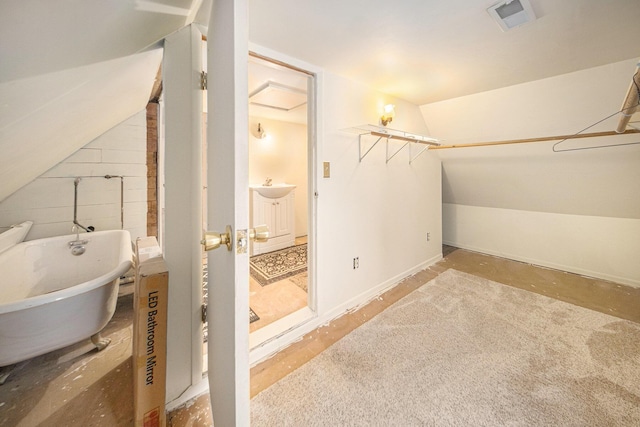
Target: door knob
{"points": [[259, 234], [213, 240]]}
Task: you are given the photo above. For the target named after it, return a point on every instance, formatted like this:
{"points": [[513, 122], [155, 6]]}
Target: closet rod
{"points": [[542, 139]]}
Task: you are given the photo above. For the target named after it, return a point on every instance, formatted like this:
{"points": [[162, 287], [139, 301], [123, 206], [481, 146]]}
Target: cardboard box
{"points": [[150, 334]]}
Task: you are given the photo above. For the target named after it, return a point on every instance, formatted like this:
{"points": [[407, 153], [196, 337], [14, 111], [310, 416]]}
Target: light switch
{"points": [[326, 167]]}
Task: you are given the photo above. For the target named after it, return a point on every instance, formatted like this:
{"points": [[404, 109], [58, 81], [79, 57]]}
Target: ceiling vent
{"points": [[512, 13]]}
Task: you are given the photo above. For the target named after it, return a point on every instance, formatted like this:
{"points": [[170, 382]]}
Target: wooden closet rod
{"points": [[542, 139]]}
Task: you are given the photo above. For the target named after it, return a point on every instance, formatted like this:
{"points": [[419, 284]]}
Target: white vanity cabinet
{"points": [[277, 214]]}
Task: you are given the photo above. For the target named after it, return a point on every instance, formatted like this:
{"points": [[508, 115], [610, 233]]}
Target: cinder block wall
{"points": [[48, 200]]}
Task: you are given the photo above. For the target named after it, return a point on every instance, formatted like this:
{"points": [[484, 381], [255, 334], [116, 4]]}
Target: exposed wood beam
{"points": [[156, 90], [541, 139]]}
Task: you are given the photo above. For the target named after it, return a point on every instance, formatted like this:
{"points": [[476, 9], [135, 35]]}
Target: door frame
{"points": [[279, 339]]}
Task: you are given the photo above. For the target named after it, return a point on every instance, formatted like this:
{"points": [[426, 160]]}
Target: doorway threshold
{"points": [[273, 331]]}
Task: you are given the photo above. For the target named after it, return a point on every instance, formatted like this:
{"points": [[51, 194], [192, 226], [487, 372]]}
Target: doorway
{"points": [[280, 189], [281, 155]]}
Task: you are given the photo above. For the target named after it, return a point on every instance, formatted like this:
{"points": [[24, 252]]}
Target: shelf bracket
{"points": [[416, 156], [394, 154], [360, 145]]}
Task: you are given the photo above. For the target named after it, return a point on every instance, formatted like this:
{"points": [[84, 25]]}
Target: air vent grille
{"points": [[512, 13]]}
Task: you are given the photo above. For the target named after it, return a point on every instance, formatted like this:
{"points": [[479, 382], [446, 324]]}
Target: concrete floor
{"points": [[78, 386]]}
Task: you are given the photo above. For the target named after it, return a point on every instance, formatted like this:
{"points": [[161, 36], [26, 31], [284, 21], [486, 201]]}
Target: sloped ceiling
{"points": [[72, 70]]}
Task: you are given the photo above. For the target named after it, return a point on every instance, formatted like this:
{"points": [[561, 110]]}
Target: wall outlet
{"points": [[356, 262], [428, 236]]}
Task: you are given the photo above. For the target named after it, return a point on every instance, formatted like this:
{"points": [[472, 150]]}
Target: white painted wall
{"points": [[376, 211], [578, 211], [283, 158], [598, 246], [48, 200]]}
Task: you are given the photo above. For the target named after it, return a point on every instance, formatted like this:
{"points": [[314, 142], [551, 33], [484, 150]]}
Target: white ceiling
{"points": [[429, 50]]}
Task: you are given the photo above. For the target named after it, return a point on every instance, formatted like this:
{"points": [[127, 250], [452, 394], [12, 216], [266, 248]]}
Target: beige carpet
{"points": [[462, 350]]}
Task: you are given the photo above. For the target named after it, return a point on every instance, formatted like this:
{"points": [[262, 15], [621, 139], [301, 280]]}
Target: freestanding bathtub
{"points": [[51, 298]]}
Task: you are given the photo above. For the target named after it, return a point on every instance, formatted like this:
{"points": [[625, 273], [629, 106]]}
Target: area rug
{"points": [[274, 266], [463, 350], [300, 280]]}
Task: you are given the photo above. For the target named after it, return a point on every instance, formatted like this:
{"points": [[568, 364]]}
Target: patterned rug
{"points": [[274, 266], [300, 280]]}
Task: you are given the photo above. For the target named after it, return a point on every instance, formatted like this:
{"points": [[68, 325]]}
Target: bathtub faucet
{"points": [[77, 242]]}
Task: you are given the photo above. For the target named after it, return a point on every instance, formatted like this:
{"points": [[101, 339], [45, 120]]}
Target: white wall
{"points": [[577, 210], [379, 212], [48, 200], [283, 158]]}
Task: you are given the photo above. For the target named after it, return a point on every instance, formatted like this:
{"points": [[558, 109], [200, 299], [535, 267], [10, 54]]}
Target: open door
{"points": [[227, 207]]}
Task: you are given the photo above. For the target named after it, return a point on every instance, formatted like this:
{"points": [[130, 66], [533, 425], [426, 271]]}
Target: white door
{"points": [[228, 199]]}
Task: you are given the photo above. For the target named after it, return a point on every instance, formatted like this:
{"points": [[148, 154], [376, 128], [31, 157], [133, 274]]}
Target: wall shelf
{"points": [[391, 134]]}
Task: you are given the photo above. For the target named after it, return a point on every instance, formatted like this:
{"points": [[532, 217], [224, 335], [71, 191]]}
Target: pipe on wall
{"points": [[75, 199]]}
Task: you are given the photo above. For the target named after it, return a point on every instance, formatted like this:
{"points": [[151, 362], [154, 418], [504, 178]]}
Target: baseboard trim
{"points": [[548, 264], [268, 349]]}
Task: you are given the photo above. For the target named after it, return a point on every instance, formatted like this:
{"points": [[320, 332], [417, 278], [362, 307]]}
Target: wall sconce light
{"points": [[259, 132], [388, 115]]}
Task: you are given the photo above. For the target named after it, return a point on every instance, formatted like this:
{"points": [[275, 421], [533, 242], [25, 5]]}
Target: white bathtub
{"points": [[50, 299]]}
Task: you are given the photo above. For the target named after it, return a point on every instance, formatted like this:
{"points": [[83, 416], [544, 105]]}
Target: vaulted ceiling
{"points": [[70, 70]]}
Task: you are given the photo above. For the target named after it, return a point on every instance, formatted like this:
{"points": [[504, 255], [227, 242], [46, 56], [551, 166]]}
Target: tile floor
{"points": [[77, 386], [276, 300]]}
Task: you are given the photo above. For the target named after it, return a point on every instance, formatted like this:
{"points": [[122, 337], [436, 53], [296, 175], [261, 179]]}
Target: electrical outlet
{"points": [[356, 262], [428, 236]]}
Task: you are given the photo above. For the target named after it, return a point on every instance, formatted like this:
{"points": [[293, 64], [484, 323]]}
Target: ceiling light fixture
{"points": [[388, 115]]}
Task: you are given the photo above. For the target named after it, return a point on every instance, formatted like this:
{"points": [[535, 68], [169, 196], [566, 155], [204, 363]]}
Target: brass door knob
{"points": [[213, 240], [259, 234]]}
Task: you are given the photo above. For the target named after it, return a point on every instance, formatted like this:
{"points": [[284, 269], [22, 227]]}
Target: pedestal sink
{"points": [[274, 191]]}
